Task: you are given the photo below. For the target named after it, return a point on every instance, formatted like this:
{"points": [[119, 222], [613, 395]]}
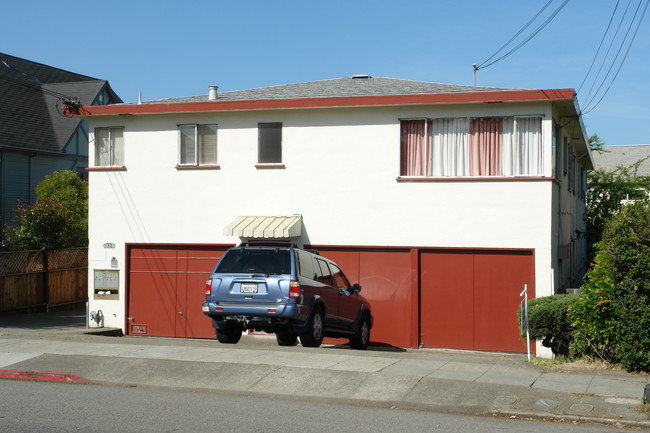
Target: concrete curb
{"points": [[521, 414], [41, 376]]}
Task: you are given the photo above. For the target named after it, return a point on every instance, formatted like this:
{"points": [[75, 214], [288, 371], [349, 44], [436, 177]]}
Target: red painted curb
{"points": [[41, 375]]}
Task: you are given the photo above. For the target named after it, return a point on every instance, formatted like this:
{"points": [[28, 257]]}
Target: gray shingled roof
{"points": [[29, 118], [363, 85], [623, 156]]}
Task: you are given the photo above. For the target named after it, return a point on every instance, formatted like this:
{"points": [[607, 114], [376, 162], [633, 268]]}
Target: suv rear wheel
{"points": [[231, 334], [313, 335], [286, 338]]}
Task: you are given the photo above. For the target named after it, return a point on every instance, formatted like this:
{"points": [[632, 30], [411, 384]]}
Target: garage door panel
{"points": [[149, 295], [386, 280], [499, 279], [385, 277], [167, 280], [447, 296]]}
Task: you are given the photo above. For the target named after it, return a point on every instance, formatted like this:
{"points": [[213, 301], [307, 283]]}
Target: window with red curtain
{"points": [[476, 147], [415, 147], [485, 146]]}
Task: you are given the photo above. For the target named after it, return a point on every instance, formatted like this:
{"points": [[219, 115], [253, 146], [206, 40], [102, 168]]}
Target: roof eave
{"points": [[331, 102]]}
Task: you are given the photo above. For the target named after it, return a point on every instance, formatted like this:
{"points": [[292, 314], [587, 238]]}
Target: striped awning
{"points": [[265, 227]]}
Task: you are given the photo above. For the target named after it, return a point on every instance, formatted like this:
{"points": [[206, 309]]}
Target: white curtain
{"points": [[528, 146], [109, 147], [117, 142], [509, 153], [450, 147], [102, 147]]}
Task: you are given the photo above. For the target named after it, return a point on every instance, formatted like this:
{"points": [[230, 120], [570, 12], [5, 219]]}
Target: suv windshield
{"points": [[264, 261]]}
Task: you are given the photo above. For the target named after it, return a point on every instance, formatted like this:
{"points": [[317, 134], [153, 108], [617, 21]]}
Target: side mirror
{"points": [[356, 288]]}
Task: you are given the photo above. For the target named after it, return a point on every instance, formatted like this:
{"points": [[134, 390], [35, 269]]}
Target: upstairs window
{"points": [[109, 147], [462, 147], [198, 144], [269, 148]]}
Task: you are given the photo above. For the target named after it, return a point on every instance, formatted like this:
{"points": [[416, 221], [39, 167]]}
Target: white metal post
{"points": [[525, 318]]}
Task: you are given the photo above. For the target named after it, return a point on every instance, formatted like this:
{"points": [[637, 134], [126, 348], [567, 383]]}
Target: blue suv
{"points": [[282, 289]]}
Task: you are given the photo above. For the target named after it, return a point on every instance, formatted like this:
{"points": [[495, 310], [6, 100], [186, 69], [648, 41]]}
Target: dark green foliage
{"points": [[43, 225], [605, 195], [548, 320], [58, 219], [613, 315]]}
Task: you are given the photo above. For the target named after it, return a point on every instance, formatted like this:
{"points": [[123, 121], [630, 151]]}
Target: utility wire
{"points": [[647, 2], [30, 83], [611, 44], [485, 63], [600, 46], [516, 34]]}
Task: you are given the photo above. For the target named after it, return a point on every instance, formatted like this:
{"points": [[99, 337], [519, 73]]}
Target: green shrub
{"points": [[613, 316], [548, 320]]}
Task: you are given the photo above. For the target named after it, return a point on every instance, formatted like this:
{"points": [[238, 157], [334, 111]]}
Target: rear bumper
{"points": [[257, 316]]}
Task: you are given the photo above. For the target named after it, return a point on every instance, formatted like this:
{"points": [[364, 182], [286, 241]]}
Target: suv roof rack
{"points": [[286, 244]]}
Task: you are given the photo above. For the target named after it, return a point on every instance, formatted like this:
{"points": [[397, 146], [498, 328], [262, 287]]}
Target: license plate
{"points": [[248, 288]]}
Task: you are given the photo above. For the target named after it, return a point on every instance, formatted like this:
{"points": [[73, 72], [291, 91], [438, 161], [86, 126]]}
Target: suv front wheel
{"points": [[362, 335], [313, 335]]}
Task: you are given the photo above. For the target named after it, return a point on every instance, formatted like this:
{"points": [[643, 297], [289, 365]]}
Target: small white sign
{"points": [[109, 245]]}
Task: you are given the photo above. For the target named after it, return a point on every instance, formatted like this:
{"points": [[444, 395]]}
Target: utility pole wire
{"points": [[618, 28], [599, 46], [485, 64], [622, 61]]}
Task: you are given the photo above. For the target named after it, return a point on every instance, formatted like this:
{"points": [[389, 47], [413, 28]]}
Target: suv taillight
{"points": [[294, 289], [208, 286]]}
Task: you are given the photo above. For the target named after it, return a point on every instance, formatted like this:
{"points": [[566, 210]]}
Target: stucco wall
{"points": [[341, 170]]}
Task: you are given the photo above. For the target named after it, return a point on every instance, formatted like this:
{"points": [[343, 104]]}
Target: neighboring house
{"points": [[614, 157], [443, 201], [36, 137]]}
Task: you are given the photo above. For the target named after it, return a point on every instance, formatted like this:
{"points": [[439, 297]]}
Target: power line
{"points": [[600, 45], [69, 105], [611, 44], [627, 51], [485, 63]]}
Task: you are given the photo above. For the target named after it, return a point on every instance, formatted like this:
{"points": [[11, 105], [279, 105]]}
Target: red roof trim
{"points": [[343, 101]]}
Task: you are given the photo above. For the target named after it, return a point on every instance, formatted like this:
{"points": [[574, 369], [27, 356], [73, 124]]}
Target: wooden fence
{"points": [[38, 280]]}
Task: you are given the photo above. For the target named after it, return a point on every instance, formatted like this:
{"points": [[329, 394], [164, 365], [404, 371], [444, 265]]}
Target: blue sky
{"points": [[171, 49]]}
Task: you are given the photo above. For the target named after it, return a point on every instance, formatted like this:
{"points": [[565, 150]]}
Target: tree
{"points": [[607, 193], [613, 316], [58, 219]]}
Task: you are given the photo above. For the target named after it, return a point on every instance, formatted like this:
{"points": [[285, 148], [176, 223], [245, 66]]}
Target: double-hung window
{"points": [[471, 147], [269, 147], [109, 147], [198, 145]]}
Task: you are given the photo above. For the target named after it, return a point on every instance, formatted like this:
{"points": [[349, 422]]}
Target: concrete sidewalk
{"points": [[437, 380]]}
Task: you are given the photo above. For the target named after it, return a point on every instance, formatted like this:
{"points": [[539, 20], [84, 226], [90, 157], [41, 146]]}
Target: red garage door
{"points": [[166, 286], [469, 299], [385, 275]]}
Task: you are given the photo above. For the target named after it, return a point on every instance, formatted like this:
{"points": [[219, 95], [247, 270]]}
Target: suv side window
{"points": [[306, 265], [325, 275], [340, 280]]}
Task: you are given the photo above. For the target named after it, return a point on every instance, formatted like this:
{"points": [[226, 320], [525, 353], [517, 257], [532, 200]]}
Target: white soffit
{"points": [[265, 227]]}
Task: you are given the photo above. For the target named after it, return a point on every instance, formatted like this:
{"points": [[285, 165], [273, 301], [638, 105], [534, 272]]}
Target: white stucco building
{"points": [[443, 201]]}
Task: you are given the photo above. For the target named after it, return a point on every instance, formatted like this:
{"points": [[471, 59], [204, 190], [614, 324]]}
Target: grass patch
{"points": [[563, 363]]}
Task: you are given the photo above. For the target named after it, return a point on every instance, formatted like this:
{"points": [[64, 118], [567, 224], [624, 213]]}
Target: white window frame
{"points": [[113, 152], [198, 145]]}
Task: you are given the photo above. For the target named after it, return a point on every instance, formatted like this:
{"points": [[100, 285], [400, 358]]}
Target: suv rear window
{"points": [[264, 261]]}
